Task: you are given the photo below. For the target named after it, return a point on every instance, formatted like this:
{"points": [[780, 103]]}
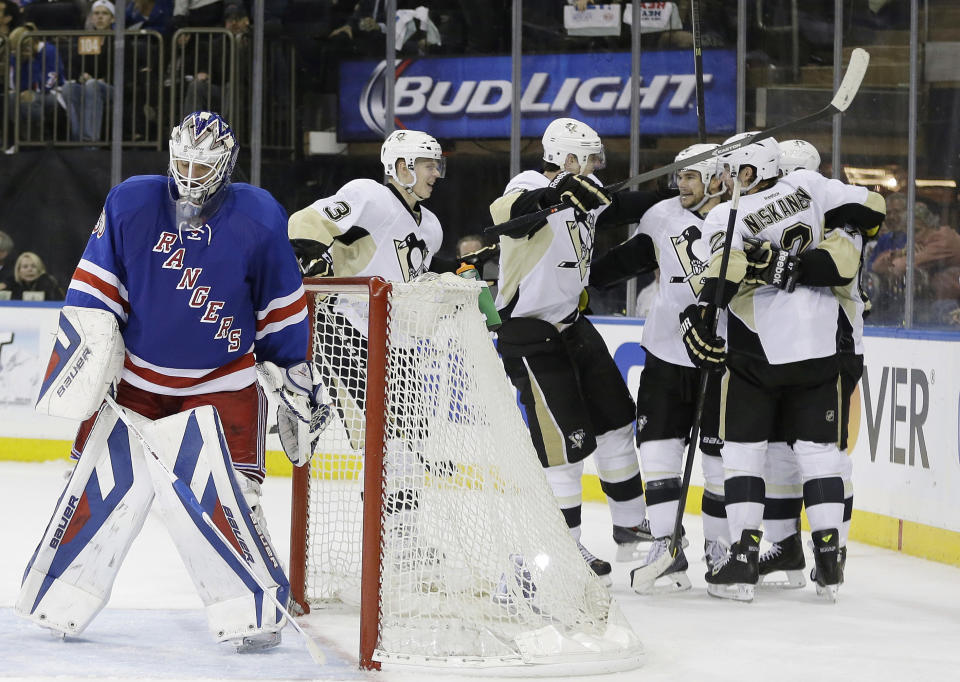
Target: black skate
{"points": [[736, 575], [841, 559], [672, 579], [828, 573], [598, 566], [628, 539], [785, 556]]}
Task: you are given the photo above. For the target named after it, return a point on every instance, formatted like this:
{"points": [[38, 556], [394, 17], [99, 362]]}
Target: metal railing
{"points": [[207, 68]]}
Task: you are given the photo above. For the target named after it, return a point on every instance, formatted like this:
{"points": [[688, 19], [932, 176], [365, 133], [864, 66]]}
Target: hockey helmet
{"points": [[762, 155], [708, 169], [569, 136], [410, 145], [796, 154], [203, 152]]}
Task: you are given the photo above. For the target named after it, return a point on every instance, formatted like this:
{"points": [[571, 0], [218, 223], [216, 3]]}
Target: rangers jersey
{"points": [[196, 305], [370, 230], [763, 320]]}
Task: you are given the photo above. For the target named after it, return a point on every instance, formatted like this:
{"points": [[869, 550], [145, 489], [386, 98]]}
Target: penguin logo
{"points": [[582, 241], [411, 256], [691, 264]]}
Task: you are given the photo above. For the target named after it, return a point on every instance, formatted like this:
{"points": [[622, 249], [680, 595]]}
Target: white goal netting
{"points": [[476, 565]]}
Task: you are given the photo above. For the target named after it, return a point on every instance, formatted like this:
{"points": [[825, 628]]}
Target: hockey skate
{"points": [[827, 573], [599, 566], [713, 552], [841, 559], [256, 643], [785, 556], [628, 539], [672, 579], [736, 575]]}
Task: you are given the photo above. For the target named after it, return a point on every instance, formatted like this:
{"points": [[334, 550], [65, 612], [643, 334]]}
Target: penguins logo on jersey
{"points": [[692, 266], [411, 255], [582, 241]]}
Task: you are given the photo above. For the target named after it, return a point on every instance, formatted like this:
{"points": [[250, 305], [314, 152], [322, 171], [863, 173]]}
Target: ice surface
{"points": [[898, 617]]}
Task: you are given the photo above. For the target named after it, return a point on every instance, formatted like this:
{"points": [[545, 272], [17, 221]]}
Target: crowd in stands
{"points": [[25, 278]]}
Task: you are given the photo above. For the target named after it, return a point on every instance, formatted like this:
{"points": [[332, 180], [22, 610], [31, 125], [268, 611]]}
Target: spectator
{"points": [[6, 249], [150, 15], [31, 282], [208, 82], [197, 13], [88, 95], [9, 19], [41, 73], [469, 244]]}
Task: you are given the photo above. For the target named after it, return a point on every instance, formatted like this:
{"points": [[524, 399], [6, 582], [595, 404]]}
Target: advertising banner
{"points": [[469, 97]]}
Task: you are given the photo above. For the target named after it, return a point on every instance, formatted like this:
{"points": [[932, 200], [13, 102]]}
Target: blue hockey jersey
{"points": [[195, 305]]}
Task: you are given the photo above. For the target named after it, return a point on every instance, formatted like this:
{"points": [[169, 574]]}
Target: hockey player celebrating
{"points": [[784, 485], [668, 237], [575, 397], [782, 366], [186, 282]]}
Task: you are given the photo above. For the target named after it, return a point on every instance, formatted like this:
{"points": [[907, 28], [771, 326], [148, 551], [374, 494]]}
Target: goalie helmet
{"points": [[763, 156], [796, 154], [708, 169], [569, 136], [410, 145], [203, 152]]}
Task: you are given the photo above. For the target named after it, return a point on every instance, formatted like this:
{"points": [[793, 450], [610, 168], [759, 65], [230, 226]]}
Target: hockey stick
{"points": [[859, 60], [698, 70], [187, 496], [647, 575]]}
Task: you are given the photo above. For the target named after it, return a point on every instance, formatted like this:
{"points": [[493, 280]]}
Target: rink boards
{"points": [[903, 431]]}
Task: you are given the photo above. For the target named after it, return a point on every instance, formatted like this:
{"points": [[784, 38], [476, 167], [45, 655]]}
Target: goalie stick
{"points": [[847, 90], [187, 495]]}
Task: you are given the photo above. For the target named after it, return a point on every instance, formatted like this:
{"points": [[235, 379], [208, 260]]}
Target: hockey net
{"points": [[425, 503]]}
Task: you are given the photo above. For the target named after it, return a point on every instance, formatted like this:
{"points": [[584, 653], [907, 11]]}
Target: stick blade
{"points": [[856, 69]]}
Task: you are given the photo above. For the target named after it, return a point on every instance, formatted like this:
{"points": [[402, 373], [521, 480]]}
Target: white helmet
{"points": [[795, 154], [569, 136], [763, 156], [410, 145], [708, 169], [202, 139]]}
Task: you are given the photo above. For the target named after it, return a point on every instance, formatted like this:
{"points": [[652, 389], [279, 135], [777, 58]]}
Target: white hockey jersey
{"points": [[852, 303], [682, 258], [795, 326], [370, 230], [543, 275]]}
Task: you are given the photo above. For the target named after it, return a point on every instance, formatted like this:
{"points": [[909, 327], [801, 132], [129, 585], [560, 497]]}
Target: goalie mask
{"points": [[707, 169], [763, 156], [203, 152], [410, 146], [569, 136], [796, 154]]}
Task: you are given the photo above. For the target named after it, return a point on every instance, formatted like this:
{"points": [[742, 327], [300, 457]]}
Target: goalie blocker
{"points": [[103, 507]]}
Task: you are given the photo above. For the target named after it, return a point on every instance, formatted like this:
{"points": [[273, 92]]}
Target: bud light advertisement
{"points": [[469, 97]]}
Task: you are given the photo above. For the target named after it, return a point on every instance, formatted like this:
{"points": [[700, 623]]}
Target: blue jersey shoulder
{"points": [[256, 205]]}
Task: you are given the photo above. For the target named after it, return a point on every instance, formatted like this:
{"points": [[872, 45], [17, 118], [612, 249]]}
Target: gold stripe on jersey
{"points": [[742, 305], [843, 251], [518, 257], [501, 208], [348, 259], [553, 442], [736, 266]]}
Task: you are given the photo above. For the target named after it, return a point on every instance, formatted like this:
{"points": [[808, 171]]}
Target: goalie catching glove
{"points": [[300, 417], [767, 264], [705, 348], [577, 190]]}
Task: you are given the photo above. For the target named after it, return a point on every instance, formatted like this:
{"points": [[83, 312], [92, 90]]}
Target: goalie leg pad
{"points": [[192, 445], [99, 513], [86, 359]]}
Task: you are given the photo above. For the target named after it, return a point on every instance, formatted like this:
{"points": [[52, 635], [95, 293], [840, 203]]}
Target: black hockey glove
{"points": [[577, 190], [314, 257], [706, 349], [480, 256], [767, 264]]}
